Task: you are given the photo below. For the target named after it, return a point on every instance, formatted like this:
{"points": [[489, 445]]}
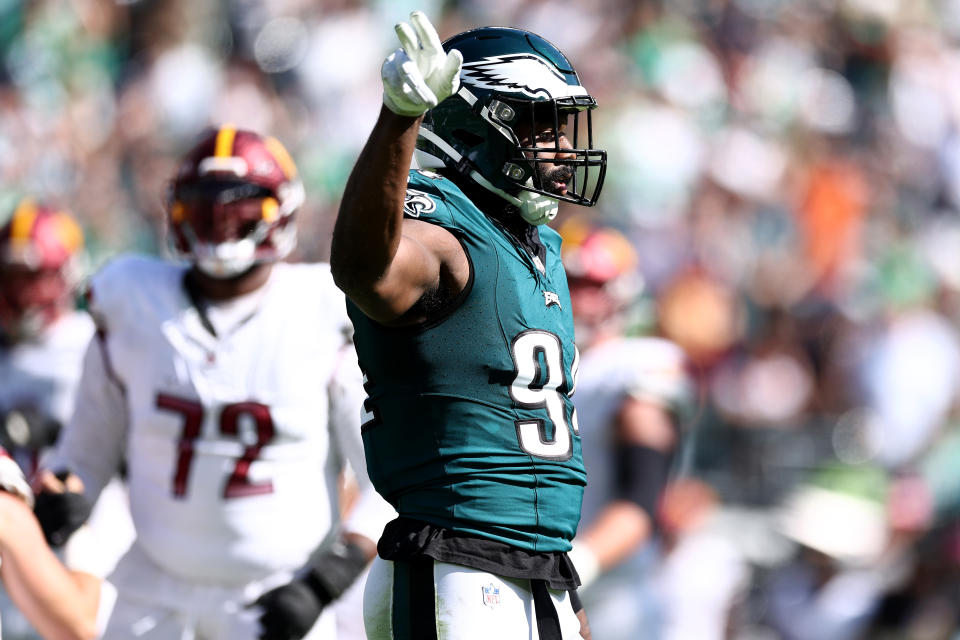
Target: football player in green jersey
{"points": [[465, 334]]}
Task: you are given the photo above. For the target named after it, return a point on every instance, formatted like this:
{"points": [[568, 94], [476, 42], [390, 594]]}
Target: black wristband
{"points": [[335, 569], [641, 475]]}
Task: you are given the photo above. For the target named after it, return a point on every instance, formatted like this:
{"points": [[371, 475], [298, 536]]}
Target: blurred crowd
{"points": [[788, 172]]}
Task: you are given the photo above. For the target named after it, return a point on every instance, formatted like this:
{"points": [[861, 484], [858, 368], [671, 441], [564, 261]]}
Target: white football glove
{"points": [[12, 480], [419, 75], [586, 563]]}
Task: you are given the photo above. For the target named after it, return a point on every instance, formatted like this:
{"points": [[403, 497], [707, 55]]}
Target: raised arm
{"points": [[384, 263]]}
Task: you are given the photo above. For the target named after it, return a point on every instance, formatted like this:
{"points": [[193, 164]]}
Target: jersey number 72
{"points": [[238, 485]]}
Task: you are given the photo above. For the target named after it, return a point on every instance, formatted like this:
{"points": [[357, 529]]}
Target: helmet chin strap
{"points": [[226, 259], [535, 208], [221, 269]]}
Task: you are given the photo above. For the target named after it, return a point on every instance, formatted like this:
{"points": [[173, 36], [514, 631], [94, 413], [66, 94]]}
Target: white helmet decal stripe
{"points": [[519, 73], [230, 164]]}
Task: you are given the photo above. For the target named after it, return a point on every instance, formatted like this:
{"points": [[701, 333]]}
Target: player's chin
{"points": [[556, 183]]}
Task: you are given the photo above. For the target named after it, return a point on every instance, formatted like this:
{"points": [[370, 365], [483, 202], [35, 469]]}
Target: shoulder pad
{"points": [[123, 281], [326, 300], [12, 479]]}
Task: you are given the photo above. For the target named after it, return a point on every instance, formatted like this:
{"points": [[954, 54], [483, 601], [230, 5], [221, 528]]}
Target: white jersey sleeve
{"points": [[12, 480], [370, 512], [346, 395], [92, 442]]}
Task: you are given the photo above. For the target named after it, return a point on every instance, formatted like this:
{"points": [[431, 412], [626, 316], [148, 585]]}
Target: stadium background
{"points": [[788, 172]]}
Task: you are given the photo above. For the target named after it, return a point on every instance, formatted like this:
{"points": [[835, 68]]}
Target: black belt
{"points": [[548, 622]]}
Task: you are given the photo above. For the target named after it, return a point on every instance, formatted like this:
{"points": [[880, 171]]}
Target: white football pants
{"points": [[154, 605], [439, 601]]}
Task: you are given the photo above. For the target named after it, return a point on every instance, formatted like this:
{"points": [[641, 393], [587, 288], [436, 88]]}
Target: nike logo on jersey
{"points": [[417, 202], [549, 298]]}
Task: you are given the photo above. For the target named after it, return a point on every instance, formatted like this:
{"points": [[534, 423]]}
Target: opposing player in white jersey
{"points": [[42, 341], [230, 388], [630, 393], [42, 337]]}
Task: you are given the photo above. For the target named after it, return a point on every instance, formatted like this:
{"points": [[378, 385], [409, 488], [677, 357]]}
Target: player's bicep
{"points": [[428, 257]]}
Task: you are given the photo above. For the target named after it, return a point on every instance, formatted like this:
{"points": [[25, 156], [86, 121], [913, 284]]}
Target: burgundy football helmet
{"points": [[233, 201], [602, 274], [41, 252], [596, 254]]}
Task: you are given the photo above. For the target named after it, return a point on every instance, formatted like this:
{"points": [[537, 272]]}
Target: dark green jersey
{"points": [[469, 421]]}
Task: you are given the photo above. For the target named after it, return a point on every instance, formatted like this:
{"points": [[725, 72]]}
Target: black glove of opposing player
{"points": [[290, 611], [60, 514]]}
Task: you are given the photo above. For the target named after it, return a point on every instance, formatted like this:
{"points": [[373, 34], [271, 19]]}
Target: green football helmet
{"points": [[515, 81]]}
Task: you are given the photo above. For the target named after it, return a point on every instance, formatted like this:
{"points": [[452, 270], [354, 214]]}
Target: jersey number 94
{"points": [[534, 388]]}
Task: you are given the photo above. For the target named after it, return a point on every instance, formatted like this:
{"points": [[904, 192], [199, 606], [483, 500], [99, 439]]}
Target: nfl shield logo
{"points": [[491, 595]]}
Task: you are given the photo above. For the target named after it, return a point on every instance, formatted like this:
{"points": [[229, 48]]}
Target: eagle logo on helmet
{"points": [[519, 73], [417, 202]]}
